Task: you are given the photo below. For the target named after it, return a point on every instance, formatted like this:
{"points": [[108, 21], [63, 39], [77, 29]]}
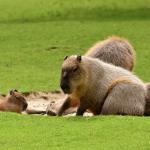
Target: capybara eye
{"points": [[75, 69]]}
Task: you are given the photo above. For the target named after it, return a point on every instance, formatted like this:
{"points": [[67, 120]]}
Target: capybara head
{"points": [[72, 74], [18, 99]]}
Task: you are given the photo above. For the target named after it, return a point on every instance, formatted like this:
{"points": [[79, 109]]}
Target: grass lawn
{"points": [[34, 40], [56, 133], [35, 35]]}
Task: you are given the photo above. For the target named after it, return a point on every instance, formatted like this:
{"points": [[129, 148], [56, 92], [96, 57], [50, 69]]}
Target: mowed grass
{"points": [[56, 133], [35, 35], [45, 10]]}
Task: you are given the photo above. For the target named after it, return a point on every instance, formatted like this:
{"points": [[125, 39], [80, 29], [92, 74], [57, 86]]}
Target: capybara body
{"points": [[147, 107], [114, 50], [14, 102], [87, 80]]}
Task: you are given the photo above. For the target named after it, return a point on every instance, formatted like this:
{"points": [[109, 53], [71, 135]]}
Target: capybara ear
{"points": [[65, 57], [15, 90], [79, 58], [11, 92]]}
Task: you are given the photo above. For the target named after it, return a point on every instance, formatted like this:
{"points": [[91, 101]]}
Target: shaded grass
{"points": [[45, 10], [74, 132]]}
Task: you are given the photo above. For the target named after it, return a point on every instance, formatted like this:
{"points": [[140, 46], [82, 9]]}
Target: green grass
{"points": [[35, 35], [32, 53], [45, 10], [115, 133]]}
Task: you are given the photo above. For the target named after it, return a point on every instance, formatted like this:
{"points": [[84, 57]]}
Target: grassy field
{"points": [[98, 133], [35, 35]]}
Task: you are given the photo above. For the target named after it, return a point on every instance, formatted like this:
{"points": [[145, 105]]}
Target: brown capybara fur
{"points": [[119, 81], [115, 50], [14, 102], [147, 107], [88, 80]]}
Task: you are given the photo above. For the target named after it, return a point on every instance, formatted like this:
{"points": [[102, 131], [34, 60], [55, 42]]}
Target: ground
{"points": [[41, 100]]}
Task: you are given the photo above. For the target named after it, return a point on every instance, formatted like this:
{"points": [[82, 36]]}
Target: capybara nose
{"points": [[65, 87], [25, 106]]}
